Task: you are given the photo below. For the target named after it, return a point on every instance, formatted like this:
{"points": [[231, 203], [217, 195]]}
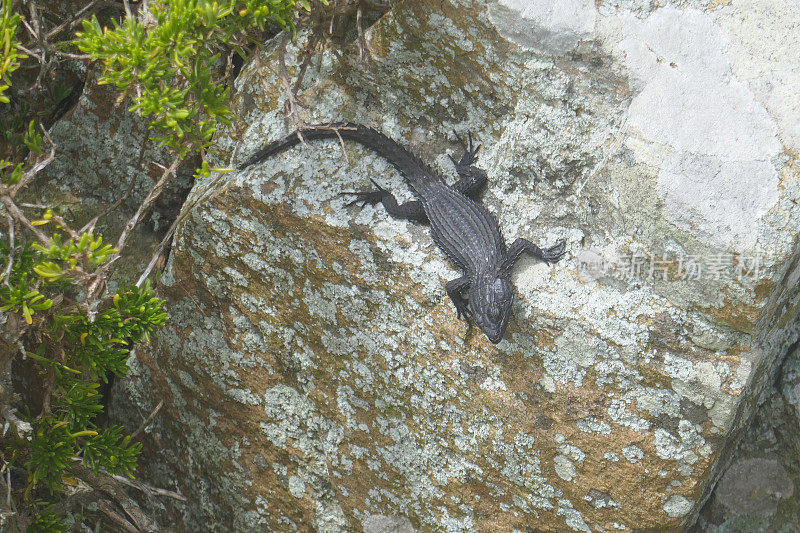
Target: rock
{"points": [[757, 491], [790, 394], [387, 524], [104, 157], [314, 373], [754, 486]]}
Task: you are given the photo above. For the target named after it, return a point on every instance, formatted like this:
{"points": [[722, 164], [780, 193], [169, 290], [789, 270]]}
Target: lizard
{"points": [[467, 232]]}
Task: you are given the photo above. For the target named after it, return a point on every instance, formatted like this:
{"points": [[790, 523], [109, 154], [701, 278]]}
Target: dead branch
{"points": [[7, 271], [24, 429], [362, 43], [162, 246], [105, 484], [30, 53], [115, 517], [152, 196], [309, 54], [79, 15], [20, 217], [147, 420], [150, 490], [103, 273], [38, 38], [9, 502]]}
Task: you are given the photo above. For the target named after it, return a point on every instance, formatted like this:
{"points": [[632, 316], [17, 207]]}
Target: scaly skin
{"points": [[463, 229]]}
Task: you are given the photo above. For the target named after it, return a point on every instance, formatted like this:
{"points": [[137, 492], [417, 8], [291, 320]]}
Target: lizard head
{"points": [[490, 299]]}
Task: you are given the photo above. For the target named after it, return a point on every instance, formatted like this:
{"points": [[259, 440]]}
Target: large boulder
{"points": [[105, 165], [758, 491], [314, 373]]}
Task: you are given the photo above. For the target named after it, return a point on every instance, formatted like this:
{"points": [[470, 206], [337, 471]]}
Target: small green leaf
{"points": [[32, 139], [48, 270], [84, 433], [16, 175]]}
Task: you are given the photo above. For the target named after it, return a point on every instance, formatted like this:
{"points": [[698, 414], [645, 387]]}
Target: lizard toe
{"points": [[556, 252]]}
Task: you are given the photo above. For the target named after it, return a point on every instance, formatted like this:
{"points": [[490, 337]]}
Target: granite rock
{"points": [[314, 373]]}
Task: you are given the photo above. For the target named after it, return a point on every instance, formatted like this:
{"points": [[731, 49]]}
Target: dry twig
{"points": [[24, 429], [146, 204], [362, 43], [103, 273], [309, 54], [150, 490], [110, 496], [36, 34], [20, 217], [78, 16], [7, 271], [9, 502], [162, 247], [147, 420]]}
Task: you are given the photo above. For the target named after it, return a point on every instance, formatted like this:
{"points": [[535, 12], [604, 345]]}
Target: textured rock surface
{"points": [[314, 372], [103, 157], [758, 492]]}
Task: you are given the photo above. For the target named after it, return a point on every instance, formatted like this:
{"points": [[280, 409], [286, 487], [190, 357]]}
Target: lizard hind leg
{"points": [[470, 151], [408, 211], [471, 178]]}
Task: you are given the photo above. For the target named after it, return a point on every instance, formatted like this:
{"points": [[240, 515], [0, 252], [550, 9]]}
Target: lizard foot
{"points": [[554, 253], [366, 197], [470, 151], [462, 311]]}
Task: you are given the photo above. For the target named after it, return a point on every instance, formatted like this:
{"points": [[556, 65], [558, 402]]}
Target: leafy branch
{"points": [[173, 62]]}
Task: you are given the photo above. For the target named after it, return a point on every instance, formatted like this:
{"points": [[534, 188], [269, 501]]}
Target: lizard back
{"points": [[463, 229]]}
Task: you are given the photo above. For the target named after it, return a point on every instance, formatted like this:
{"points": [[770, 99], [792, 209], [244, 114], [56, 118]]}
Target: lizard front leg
{"points": [[454, 288], [473, 179], [409, 210], [520, 246]]}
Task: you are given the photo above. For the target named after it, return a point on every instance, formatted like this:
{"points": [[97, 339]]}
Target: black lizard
{"points": [[462, 228]]}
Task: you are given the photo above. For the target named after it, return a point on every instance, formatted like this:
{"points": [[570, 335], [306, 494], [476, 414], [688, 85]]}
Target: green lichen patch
{"points": [[326, 333]]}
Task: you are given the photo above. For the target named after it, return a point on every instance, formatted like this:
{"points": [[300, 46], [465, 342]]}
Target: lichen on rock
{"points": [[315, 374]]}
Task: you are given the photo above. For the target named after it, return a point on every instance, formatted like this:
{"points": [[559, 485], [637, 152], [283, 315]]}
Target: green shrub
{"points": [[76, 354], [9, 22], [174, 63]]}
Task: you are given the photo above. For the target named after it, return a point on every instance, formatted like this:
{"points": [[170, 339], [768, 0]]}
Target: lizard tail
{"points": [[412, 167]]}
